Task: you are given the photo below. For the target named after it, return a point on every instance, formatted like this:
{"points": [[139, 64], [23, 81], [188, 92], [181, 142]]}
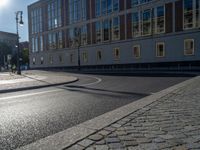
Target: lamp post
{"points": [[78, 41], [18, 22]]}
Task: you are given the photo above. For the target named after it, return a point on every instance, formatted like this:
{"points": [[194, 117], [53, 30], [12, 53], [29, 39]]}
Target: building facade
{"points": [[10, 39], [114, 33]]}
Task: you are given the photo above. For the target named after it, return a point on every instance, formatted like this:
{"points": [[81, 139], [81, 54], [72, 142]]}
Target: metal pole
{"points": [[18, 52]]}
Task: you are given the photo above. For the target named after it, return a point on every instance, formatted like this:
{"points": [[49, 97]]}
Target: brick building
{"points": [[115, 33]]}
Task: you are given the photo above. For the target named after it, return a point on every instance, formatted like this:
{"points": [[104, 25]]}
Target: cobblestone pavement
{"points": [[171, 123]]}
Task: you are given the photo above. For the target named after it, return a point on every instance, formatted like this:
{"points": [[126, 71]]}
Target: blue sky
{"points": [[7, 17]]}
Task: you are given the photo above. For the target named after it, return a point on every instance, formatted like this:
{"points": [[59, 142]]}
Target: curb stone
{"points": [[36, 87], [69, 137]]}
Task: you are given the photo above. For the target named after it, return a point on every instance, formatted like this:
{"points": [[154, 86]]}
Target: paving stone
{"points": [[130, 143], [86, 142], [158, 140], [110, 129], [116, 125], [166, 136], [143, 140], [102, 142], [76, 147], [112, 140], [116, 146], [101, 147], [104, 132], [96, 137], [193, 146], [183, 147]]}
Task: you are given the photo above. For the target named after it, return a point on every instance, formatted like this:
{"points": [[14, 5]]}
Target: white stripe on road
{"points": [[31, 94], [93, 83]]}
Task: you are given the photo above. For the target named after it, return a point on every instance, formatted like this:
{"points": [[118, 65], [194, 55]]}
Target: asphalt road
{"points": [[28, 116]]}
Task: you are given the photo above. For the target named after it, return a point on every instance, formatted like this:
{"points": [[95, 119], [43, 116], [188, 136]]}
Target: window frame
{"points": [[134, 55], [112, 30], [117, 58], [164, 53], [156, 20], [193, 53]]}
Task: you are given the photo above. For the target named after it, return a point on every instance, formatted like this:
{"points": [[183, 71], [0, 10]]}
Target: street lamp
{"points": [[78, 41], [18, 22]]}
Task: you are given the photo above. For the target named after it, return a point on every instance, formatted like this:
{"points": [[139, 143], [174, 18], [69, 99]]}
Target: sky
{"points": [[7, 16]]}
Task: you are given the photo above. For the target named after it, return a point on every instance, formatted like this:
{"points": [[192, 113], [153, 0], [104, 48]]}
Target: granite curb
{"points": [[37, 87], [69, 137]]}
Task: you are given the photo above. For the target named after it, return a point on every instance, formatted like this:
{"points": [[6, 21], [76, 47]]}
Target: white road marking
{"points": [[30, 94], [93, 83], [2, 99]]}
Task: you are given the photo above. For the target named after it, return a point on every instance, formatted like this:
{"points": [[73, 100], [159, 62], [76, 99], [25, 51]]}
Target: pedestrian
{"points": [[13, 68]]}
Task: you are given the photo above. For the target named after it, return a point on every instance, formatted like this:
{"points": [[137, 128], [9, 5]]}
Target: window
{"points": [[77, 10], [116, 54], [34, 60], [60, 58], [41, 60], [36, 44], [84, 35], [51, 59], [188, 14], [189, 47], [115, 29], [60, 39], [146, 26], [98, 32], [136, 51], [115, 5], [134, 3], [41, 43], [106, 30], [191, 14], [71, 58], [135, 24], [99, 55], [33, 45], [160, 20], [36, 20], [98, 8], [71, 37], [160, 49], [54, 14], [85, 57]]}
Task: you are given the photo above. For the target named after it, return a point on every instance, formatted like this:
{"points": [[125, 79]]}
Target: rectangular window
{"points": [[146, 26], [71, 37], [115, 28], [98, 8], [160, 49], [60, 39], [103, 7], [136, 51], [98, 32], [134, 3], [116, 54], [36, 44], [99, 55], [41, 60], [109, 6], [135, 24], [85, 57], [41, 43], [71, 58], [60, 58], [34, 60], [189, 47], [51, 59], [188, 14], [115, 5], [33, 45], [84, 35], [160, 20], [106, 30]]}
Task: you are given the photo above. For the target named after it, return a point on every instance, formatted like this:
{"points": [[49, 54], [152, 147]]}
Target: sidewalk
{"points": [[167, 120], [32, 79]]}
